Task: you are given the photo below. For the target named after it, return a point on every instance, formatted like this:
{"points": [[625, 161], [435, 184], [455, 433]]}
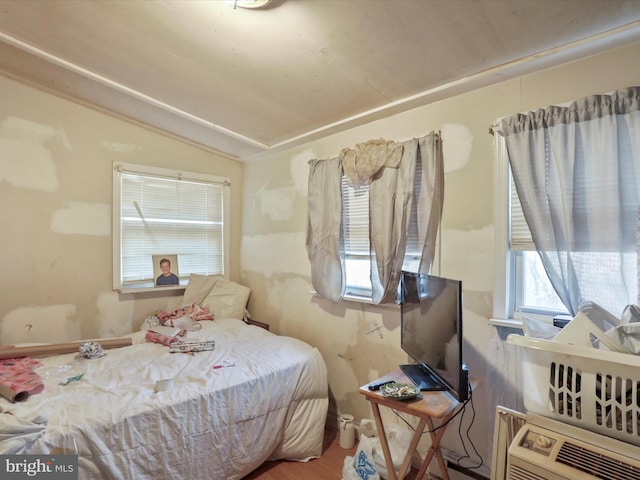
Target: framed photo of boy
{"points": [[165, 270]]}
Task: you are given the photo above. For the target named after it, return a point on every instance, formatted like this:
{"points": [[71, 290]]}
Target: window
{"points": [[357, 259], [164, 212], [355, 221], [521, 285]]}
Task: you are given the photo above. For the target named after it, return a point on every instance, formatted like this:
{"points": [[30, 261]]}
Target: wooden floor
{"points": [[327, 467]]}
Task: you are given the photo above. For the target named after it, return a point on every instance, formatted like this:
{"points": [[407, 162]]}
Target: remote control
{"points": [[377, 386]]}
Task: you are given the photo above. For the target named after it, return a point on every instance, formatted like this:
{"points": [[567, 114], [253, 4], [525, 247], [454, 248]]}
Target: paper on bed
{"points": [[168, 331]]}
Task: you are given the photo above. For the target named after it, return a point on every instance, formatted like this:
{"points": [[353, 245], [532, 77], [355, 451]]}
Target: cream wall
{"points": [[56, 162], [361, 342]]}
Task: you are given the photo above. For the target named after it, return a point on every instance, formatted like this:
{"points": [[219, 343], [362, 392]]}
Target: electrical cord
{"points": [[466, 455], [461, 412]]}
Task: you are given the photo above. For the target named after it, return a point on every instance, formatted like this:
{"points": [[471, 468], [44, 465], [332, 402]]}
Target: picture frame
{"points": [[168, 277]]}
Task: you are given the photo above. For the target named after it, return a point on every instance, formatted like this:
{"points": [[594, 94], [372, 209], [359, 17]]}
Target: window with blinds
{"points": [[163, 212], [355, 229], [522, 285], [520, 234]]}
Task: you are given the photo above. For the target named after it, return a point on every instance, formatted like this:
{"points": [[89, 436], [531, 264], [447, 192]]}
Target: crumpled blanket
{"points": [[194, 311], [17, 434], [361, 164]]}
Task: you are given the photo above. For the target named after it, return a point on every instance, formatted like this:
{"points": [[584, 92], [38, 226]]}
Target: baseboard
{"points": [[466, 471], [331, 421]]}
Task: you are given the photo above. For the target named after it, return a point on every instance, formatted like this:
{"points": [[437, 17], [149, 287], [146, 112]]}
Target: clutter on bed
{"points": [[18, 380], [147, 410]]}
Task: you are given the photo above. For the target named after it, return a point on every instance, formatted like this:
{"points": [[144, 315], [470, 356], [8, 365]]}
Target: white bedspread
{"points": [[213, 424]]}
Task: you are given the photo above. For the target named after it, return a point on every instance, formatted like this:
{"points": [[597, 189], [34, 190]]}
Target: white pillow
{"points": [[227, 299], [198, 288]]}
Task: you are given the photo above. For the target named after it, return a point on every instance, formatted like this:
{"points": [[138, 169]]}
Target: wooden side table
{"points": [[427, 407]]}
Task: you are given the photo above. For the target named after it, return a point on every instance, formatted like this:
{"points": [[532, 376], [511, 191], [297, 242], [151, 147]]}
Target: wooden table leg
{"points": [[383, 441], [417, 435], [434, 449]]}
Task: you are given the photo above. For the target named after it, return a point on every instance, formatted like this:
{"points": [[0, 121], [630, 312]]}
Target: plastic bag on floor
{"points": [[368, 462], [361, 466], [399, 439]]}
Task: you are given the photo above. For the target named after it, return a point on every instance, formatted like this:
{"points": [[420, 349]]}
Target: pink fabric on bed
{"points": [[18, 380], [195, 312], [152, 336]]}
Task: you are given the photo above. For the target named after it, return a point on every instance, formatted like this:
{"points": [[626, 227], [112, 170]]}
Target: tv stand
{"points": [[433, 408], [423, 379]]}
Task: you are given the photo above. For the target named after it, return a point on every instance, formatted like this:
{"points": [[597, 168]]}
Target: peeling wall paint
{"points": [[277, 203], [115, 317], [82, 218], [24, 160], [274, 252], [51, 324]]}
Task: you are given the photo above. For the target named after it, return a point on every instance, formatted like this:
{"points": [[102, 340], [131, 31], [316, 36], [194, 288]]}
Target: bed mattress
{"points": [[268, 402]]}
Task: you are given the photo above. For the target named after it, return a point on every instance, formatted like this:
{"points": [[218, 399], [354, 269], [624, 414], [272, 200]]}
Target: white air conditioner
{"points": [[545, 449]]}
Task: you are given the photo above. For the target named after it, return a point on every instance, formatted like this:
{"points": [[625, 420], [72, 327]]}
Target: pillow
{"points": [[198, 288], [227, 299]]}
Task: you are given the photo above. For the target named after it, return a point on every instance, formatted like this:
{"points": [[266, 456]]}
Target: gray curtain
{"points": [[392, 194], [577, 174], [391, 199], [325, 247]]}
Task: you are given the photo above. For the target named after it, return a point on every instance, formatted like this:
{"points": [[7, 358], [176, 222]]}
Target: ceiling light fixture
{"points": [[250, 3]]}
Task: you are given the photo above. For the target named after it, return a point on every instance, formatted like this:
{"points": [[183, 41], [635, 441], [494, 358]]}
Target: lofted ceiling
{"points": [[246, 82]]}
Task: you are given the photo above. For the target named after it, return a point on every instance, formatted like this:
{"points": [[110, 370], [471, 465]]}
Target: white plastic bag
{"points": [[399, 439], [361, 466]]}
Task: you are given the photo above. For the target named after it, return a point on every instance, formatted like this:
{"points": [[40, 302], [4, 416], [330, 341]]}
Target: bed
{"points": [[267, 400]]}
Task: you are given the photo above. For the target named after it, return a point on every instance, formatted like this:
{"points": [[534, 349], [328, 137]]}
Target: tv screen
{"points": [[431, 333]]}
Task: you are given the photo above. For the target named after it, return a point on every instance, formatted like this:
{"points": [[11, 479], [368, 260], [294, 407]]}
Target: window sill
{"points": [[509, 322], [140, 289], [356, 299]]}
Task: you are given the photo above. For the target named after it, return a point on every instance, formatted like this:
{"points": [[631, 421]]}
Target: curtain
{"points": [[391, 198], [576, 169], [392, 192], [324, 243]]}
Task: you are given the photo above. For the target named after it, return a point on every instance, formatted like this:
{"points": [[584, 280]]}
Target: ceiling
{"points": [[247, 82]]}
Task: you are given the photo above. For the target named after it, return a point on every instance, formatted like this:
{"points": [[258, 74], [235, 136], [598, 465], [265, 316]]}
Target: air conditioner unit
{"points": [[545, 449]]}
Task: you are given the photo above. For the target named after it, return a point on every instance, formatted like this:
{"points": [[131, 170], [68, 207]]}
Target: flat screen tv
{"points": [[431, 333]]}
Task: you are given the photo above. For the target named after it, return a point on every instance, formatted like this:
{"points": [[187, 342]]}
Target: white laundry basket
{"points": [[594, 389]]}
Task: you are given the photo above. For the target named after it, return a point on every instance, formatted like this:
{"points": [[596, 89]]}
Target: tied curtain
{"points": [[393, 191], [576, 169]]}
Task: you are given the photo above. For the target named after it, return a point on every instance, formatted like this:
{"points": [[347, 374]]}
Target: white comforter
{"points": [[212, 424]]}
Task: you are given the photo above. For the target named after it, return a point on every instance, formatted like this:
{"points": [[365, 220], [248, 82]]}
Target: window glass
{"points": [[162, 212], [522, 285], [355, 224]]}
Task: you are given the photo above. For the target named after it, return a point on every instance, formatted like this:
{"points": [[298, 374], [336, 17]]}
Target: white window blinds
{"points": [[355, 218], [163, 214], [520, 234]]}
